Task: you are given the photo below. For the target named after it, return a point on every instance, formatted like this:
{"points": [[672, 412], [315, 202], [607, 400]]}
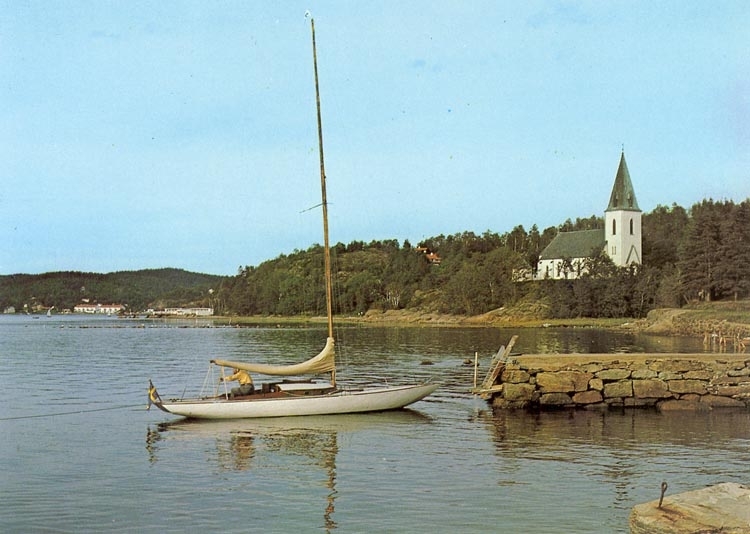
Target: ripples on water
{"points": [[449, 464]]}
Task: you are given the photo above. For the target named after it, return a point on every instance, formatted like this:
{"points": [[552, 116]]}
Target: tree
{"points": [[362, 290], [733, 270], [565, 267], [699, 255], [645, 287], [534, 248], [517, 240], [668, 292], [466, 292], [402, 276], [663, 230]]}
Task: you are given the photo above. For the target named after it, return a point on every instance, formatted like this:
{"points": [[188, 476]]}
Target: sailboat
{"points": [[283, 398]]}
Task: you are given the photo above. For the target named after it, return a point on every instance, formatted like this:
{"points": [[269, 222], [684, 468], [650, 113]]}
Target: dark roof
{"points": [[574, 244], [623, 194]]}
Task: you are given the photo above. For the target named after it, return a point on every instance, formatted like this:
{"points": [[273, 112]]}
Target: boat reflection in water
{"points": [[294, 444]]}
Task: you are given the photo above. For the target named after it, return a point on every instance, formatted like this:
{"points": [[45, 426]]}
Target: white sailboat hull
{"points": [[337, 402]]}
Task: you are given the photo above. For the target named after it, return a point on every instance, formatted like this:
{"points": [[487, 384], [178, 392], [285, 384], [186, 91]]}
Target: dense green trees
{"points": [[733, 272], [714, 254], [663, 229], [687, 254], [138, 290]]}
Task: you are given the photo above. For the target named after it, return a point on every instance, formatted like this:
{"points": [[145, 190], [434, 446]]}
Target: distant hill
{"points": [[138, 290]]}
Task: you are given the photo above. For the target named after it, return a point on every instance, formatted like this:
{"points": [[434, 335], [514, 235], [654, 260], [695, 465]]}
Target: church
{"points": [[565, 257]]}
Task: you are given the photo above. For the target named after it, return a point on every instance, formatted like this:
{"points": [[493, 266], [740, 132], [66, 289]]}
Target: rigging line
{"points": [[316, 206], [122, 407]]}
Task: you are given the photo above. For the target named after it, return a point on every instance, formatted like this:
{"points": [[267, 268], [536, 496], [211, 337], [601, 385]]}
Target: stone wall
{"points": [[593, 381]]}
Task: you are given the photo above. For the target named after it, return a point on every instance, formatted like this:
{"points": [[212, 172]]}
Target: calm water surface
{"points": [[79, 452]]}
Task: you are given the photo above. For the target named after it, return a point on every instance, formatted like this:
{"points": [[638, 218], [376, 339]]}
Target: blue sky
{"points": [[182, 134]]}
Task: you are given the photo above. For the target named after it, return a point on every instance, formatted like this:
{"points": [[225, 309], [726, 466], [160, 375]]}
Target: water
{"points": [[79, 452]]}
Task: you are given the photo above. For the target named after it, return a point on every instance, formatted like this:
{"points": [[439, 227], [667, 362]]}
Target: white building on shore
{"points": [[566, 256], [108, 309], [189, 312]]}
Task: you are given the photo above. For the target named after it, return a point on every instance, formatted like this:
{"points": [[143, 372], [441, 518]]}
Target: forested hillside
{"points": [[138, 290], [687, 254]]}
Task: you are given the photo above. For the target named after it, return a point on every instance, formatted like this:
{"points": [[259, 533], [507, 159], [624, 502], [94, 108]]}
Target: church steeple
{"points": [[623, 194], [622, 220]]}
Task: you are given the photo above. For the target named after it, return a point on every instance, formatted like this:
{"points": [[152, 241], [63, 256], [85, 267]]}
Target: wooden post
{"points": [[476, 362]]}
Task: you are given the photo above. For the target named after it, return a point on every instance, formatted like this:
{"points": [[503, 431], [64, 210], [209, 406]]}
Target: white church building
{"points": [[566, 255]]}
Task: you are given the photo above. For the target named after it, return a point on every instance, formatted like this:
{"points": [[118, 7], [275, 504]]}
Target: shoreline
{"points": [[417, 320], [724, 320]]}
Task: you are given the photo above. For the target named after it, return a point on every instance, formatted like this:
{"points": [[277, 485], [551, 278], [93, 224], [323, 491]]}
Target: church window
{"points": [[631, 226], [614, 227]]}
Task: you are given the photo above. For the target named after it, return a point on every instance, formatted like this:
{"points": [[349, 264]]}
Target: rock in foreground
{"points": [[722, 508]]}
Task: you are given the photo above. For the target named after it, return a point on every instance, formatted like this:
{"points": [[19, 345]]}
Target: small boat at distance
{"points": [[295, 397]]}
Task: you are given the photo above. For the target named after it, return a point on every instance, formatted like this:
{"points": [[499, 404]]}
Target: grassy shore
{"points": [[726, 318], [405, 318]]}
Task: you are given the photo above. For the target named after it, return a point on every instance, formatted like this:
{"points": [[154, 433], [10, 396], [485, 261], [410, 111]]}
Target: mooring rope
{"points": [[56, 414]]}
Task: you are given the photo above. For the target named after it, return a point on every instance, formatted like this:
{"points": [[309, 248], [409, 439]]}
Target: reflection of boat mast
{"points": [[242, 444], [237, 445], [330, 464], [322, 446]]}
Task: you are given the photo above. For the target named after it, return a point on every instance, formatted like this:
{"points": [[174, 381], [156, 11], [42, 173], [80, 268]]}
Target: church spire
{"points": [[623, 194]]}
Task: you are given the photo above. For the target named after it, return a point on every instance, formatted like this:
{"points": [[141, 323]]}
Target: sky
{"points": [[138, 135]]}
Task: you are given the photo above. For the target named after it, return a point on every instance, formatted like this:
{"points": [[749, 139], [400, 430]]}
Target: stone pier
{"points": [[601, 381]]}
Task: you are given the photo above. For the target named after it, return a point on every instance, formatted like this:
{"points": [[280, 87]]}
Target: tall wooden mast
{"points": [[324, 198]]}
